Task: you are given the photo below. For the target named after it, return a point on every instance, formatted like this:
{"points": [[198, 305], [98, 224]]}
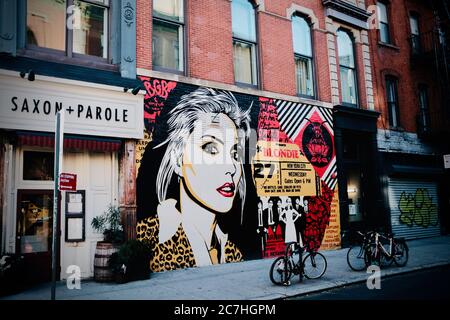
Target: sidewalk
{"points": [[240, 281]]}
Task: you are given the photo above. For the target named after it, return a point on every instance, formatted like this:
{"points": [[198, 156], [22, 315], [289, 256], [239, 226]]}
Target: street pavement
{"points": [[240, 281], [425, 285]]}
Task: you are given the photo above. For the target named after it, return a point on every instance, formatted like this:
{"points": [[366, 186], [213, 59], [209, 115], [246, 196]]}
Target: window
{"points": [[347, 69], [301, 32], [38, 165], [415, 34], [423, 105], [244, 42], [392, 101], [168, 35], [83, 31], [383, 23]]}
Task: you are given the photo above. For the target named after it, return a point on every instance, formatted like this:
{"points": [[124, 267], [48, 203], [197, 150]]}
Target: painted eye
{"points": [[211, 148]]}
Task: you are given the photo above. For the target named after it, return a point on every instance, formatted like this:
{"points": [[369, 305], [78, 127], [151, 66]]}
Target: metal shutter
{"points": [[414, 208]]}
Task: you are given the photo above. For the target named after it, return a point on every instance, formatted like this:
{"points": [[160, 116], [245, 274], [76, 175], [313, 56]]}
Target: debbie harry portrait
{"points": [[193, 179]]}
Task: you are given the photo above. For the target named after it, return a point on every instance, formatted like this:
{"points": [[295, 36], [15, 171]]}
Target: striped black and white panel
{"points": [[327, 114], [291, 115], [330, 175]]}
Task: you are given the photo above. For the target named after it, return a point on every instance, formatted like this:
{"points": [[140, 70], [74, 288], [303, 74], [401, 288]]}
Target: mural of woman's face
{"points": [[210, 164]]}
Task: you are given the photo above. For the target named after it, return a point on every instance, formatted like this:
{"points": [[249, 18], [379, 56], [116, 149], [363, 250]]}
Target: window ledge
{"points": [[60, 58], [398, 129], [167, 70], [304, 96], [246, 85], [388, 45]]}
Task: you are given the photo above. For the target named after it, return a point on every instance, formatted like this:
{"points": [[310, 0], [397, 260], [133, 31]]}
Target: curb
{"points": [[383, 275]]}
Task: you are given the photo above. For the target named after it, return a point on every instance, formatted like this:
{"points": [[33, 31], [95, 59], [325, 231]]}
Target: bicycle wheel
{"points": [[355, 258], [314, 265], [386, 260], [401, 254], [280, 271], [372, 255]]}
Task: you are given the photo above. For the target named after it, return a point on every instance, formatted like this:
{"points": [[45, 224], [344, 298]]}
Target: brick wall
{"points": [[395, 60], [210, 41], [144, 34], [277, 54], [210, 52]]}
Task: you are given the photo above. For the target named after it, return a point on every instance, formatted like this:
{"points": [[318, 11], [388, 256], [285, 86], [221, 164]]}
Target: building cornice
{"points": [[346, 12]]}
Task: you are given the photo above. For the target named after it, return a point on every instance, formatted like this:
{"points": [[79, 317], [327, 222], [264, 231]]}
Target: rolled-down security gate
{"points": [[414, 208]]}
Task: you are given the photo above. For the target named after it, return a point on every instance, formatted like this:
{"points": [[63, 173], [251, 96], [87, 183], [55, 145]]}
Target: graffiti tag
{"points": [[418, 209]]}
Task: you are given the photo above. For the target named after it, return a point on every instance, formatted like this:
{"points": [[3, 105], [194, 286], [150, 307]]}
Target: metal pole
{"points": [[59, 138]]}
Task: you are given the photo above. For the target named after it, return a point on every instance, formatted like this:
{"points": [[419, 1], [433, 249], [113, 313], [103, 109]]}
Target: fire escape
{"points": [[431, 50]]}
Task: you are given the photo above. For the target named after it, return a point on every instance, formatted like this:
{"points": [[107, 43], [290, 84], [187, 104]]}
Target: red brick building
{"points": [[409, 54], [304, 52]]}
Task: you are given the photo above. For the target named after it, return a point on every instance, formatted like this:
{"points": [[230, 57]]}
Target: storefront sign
{"points": [[97, 111], [67, 182]]}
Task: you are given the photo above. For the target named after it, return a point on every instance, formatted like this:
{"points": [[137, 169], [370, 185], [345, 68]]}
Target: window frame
{"points": [[390, 79], [182, 42], [67, 54], [354, 69], [302, 56], [424, 110], [255, 53], [387, 23], [418, 42]]}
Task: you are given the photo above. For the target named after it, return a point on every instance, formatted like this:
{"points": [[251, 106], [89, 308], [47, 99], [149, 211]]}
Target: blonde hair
{"points": [[181, 123]]}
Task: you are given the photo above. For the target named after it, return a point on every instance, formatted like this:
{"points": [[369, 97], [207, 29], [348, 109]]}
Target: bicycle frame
{"points": [[379, 246]]}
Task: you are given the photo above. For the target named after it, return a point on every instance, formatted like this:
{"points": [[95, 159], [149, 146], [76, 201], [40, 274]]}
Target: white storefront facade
{"points": [[100, 121]]}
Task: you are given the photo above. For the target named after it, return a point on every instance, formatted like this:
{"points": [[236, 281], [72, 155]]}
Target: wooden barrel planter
{"points": [[102, 271]]}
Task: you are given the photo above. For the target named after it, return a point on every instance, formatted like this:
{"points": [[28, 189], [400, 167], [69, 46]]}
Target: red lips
{"points": [[227, 190]]}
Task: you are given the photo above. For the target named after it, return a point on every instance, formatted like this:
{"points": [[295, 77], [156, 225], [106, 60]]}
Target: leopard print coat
{"points": [[176, 252]]}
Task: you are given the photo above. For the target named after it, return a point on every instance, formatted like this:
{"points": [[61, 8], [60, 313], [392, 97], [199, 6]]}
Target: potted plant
{"points": [[109, 224], [12, 268], [131, 261]]}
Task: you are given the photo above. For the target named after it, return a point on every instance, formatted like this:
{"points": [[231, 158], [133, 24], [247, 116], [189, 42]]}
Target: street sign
{"points": [[67, 182], [447, 161]]}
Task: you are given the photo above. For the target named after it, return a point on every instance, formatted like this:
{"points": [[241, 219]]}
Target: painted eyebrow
{"points": [[213, 137]]}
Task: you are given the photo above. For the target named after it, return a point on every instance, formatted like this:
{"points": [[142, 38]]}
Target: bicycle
{"points": [[312, 266], [356, 253], [384, 255]]}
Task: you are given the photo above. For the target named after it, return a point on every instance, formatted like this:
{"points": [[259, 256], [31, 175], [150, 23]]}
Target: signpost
{"points": [[59, 140]]}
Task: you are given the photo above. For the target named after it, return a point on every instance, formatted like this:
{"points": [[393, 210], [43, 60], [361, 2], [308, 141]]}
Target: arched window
{"points": [[303, 56], [168, 35], [392, 101], [347, 68], [244, 42]]}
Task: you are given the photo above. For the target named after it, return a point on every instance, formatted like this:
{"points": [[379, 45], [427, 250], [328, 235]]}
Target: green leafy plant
{"points": [[109, 224], [132, 261]]}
